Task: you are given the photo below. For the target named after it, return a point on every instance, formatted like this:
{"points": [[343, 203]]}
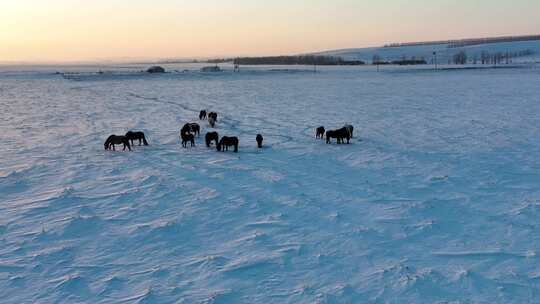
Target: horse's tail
{"points": [[144, 140]]}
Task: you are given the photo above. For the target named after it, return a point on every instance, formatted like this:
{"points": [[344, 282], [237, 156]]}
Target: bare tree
{"points": [[460, 58]]}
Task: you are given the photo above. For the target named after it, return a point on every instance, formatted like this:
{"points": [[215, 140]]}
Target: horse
{"points": [[320, 132], [187, 137], [191, 128], [211, 121], [349, 128], [211, 136], [259, 140], [131, 136], [339, 134], [227, 142], [116, 140], [213, 115], [202, 115]]}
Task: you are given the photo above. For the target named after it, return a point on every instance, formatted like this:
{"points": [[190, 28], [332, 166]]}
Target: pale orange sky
{"points": [[77, 30]]}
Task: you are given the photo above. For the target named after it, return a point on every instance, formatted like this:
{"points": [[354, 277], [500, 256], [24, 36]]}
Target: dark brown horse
{"points": [[227, 142], [191, 128], [259, 140], [202, 115], [339, 134], [211, 136], [116, 140], [320, 132], [131, 136], [187, 137]]}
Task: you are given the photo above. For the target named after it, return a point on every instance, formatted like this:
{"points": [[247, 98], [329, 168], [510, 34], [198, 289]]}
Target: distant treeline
{"points": [[377, 60], [486, 57], [467, 42], [460, 57], [491, 58], [295, 60]]}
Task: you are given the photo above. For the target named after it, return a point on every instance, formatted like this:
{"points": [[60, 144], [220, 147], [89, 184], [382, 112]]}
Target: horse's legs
{"points": [[113, 147]]}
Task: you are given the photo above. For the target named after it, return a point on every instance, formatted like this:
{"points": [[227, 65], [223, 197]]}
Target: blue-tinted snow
{"points": [[437, 199]]}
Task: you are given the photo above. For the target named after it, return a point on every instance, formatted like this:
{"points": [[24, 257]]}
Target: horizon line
{"points": [[190, 59]]}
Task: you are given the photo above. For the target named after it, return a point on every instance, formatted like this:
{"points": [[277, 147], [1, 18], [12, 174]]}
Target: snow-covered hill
{"points": [[444, 53]]}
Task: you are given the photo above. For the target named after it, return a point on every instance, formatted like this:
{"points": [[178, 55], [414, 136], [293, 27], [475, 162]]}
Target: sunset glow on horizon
{"points": [[77, 30]]}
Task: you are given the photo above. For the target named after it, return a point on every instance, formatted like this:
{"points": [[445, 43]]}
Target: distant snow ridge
{"points": [[525, 51]]}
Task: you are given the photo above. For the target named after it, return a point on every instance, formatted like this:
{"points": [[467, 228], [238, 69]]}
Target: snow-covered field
{"points": [[437, 199]]}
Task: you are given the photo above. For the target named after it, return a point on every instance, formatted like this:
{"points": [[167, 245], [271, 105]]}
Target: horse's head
{"points": [[218, 146], [108, 141]]}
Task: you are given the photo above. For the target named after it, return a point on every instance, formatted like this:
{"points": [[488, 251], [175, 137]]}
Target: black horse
{"points": [[131, 136], [320, 132], [349, 128], [339, 134], [259, 140], [187, 137], [212, 121], [202, 114], [211, 136], [191, 128], [213, 115], [116, 140], [227, 142]]}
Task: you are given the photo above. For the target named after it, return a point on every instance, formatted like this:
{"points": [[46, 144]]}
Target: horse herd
{"points": [[340, 134], [191, 130]]}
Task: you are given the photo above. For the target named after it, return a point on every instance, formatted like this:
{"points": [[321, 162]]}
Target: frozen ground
{"points": [[437, 199]]}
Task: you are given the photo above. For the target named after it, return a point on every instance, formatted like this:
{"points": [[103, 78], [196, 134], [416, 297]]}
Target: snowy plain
{"points": [[436, 200]]}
